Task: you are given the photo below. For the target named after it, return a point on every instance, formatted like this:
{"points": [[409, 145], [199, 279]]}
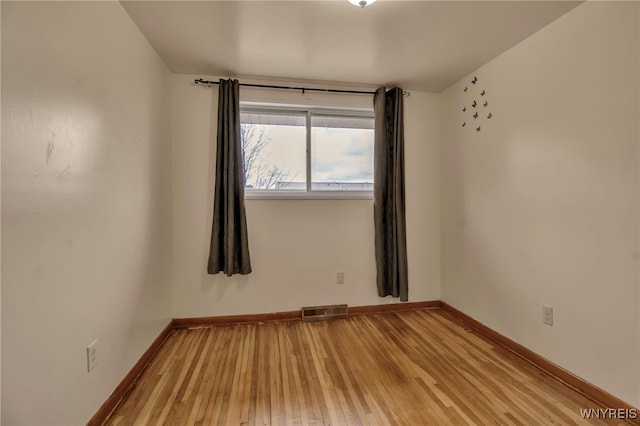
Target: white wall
{"points": [[542, 205], [0, 226], [297, 246], [638, 53], [85, 205]]}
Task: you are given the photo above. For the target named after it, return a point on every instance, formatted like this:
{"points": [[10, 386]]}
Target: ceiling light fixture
{"points": [[361, 3]]}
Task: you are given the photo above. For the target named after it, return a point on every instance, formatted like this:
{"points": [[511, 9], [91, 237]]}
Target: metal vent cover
{"points": [[321, 313]]}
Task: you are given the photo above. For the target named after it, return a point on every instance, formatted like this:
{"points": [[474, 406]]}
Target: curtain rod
{"points": [[302, 89]]}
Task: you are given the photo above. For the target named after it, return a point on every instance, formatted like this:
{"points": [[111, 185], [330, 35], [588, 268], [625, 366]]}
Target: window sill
{"points": [[303, 195]]}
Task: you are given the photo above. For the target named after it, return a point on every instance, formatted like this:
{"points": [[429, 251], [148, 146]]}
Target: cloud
{"points": [[342, 155]]}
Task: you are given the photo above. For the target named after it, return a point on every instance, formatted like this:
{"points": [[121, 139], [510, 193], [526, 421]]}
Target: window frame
{"points": [[307, 111]]}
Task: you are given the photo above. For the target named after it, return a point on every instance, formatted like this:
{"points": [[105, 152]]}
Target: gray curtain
{"points": [[388, 194], [229, 252]]}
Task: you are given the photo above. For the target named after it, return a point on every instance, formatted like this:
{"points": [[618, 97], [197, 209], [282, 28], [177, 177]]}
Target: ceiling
{"points": [[418, 45]]}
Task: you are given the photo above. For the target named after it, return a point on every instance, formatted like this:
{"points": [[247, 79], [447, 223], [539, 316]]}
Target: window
{"points": [[309, 153]]}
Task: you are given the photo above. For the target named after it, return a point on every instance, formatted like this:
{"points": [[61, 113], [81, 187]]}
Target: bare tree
{"points": [[254, 141]]}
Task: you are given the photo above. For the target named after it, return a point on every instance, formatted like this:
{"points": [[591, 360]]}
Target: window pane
{"points": [[341, 153], [274, 147]]}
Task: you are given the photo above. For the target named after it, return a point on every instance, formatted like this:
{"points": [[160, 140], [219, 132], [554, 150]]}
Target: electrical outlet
{"points": [[92, 355], [547, 315], [340, 278]]}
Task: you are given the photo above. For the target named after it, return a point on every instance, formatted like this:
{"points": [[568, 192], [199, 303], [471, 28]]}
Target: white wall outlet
{"points": [[547, 315], [92, 355], [340, 278]]}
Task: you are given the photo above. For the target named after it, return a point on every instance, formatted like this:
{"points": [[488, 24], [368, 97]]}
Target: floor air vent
{"points": [[321, 313]]}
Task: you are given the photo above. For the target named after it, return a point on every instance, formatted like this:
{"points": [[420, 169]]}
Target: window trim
{"points": [[274, 194], [308, 112]]}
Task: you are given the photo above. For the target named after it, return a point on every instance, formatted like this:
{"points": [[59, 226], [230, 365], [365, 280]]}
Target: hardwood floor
{"points": [[405, 368]]}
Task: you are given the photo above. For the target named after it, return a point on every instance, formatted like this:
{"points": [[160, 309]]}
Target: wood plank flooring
{"points": [[406, 368]]}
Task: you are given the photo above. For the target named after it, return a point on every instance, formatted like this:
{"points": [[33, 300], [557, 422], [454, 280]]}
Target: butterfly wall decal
{"points": [[475, 105]]}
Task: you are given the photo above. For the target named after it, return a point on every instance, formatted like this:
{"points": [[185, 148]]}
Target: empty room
{"points": [[324, 212]]}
